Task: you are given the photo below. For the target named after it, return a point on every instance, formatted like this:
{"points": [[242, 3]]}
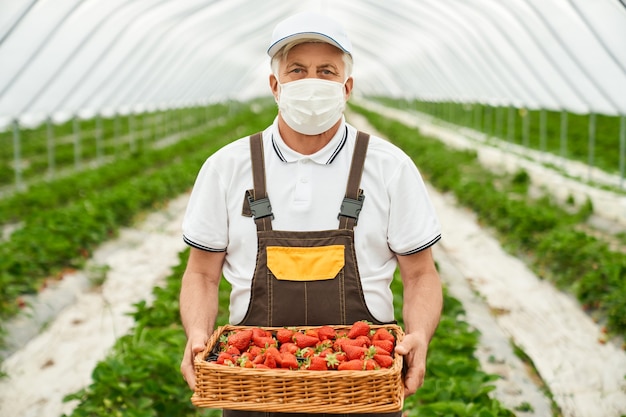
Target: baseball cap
{"points": [[309, 25]]}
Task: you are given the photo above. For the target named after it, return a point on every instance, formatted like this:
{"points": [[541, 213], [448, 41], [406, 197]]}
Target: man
{"points": [[297, 205]]}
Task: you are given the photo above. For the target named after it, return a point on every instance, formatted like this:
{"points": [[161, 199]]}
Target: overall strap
{"points": [[257, 197], [353, 201]]}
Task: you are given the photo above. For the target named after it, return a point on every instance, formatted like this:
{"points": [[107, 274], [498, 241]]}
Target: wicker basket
{"points": [[297, 391]]}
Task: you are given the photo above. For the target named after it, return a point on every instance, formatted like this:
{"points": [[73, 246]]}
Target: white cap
{"points": [[309, 25]]}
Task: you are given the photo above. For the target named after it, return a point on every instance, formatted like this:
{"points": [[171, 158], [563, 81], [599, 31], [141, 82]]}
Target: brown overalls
{"points": [[305, 278]]}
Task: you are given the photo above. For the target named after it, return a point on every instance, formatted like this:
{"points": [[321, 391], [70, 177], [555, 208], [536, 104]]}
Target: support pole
{"points": [[17, 155], [622, 150], [542, 130], [50, 146], [592, 143], [563, 135], [77, 150]]}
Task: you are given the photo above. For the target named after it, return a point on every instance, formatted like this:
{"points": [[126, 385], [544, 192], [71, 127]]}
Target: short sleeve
{"points": [[413, 222], [205, 225]]}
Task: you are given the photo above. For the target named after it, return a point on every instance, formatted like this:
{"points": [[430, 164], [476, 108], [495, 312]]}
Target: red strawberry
{"points": [[270, 362], [302, 340], [359, 328], [326, 333], [263, 341], [370, 364], [332, 362], [354, 352], [225, 359], [289, 347], [363, 340], [289, 361], [232, 350], [273, 352], [258, 359], [255, 351], [284, 335], [383, 334], [261, 366], [312, 332], [257, 331], [353, 365], [382, 344], [384, 361], [240, 339], [317, 364], [305, 352]]}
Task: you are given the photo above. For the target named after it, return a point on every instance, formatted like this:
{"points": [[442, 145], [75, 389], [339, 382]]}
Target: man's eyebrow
{"points": [[332, 66]]}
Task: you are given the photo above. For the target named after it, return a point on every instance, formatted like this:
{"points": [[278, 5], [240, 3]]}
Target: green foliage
{"points": [[537, 229], [508, 123], [141, 376], [65, 220]]}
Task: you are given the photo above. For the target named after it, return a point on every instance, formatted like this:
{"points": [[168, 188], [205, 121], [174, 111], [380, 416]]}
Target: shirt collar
{"points": [[324, 156]]}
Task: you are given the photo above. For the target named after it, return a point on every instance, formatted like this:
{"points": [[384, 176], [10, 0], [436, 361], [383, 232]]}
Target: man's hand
{"points": [[194, 346], [414, 350]]}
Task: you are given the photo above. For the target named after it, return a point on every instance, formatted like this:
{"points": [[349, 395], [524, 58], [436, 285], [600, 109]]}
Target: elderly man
{"points": [[309, 219]]}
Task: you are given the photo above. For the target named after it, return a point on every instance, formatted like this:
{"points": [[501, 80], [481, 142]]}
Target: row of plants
{"points": [[524, 127], [140, 377], [78, 142], [552, 239], [60, 228]]}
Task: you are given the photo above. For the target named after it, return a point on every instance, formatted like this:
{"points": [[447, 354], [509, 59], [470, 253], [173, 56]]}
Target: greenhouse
{"points": [[514, 113]]}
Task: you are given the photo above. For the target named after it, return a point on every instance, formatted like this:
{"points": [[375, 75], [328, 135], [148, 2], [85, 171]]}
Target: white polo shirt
{"points": [[306, 192]]}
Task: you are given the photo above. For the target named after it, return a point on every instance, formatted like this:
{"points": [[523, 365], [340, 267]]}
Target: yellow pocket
{"points": [[305, 263]]}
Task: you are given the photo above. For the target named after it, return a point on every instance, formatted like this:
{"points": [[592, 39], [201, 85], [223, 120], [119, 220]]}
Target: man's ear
{"points": [[274, 86], [348, 87]]}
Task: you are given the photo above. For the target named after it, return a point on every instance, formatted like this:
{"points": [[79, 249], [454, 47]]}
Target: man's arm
{"points": [[421, 311], [199, 304]]}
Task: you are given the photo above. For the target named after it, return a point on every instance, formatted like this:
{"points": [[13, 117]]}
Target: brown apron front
{"points": [[305, 278]]}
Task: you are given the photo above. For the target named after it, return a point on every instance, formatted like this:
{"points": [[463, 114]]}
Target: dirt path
{"points": [[60, 358]]}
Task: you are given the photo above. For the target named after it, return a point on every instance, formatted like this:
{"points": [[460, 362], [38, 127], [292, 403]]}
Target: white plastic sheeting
{"points": [[61, 58]]}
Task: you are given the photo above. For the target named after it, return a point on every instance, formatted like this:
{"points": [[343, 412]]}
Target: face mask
{"points": [[311, 106]]}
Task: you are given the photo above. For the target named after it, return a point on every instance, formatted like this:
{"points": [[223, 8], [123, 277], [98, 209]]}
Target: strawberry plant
{"points": [[538, 230]]}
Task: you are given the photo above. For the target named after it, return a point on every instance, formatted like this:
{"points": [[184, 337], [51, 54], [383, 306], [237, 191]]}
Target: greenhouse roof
{"points": [[82, 57]]}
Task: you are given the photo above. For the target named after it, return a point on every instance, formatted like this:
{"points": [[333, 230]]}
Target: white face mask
{"points": [[311, 106]]}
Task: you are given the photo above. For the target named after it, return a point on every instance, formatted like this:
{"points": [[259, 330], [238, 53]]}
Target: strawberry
{"points": [[326, 333], [305, 352], [317, 363], [240, 339], [370, 365], [384, 361], [273, 352], [363, 341], [289, 347], [332, 362], [259, 359], [284, 335], [261, 366], [257, 331], [354, 352], [353, 365], [254, 351], [289, 361], [359, 328], [225, 359], [383, 344], [232, 350], [270, 362], [263, 341], [383, 334], [343, 341], [312, 332], [302, 340]]}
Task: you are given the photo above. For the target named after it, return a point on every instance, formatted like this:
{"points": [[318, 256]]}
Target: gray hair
{"points": [[282, 53]]}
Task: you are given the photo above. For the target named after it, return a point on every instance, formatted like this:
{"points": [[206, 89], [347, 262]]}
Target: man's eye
{"points": [[296, 70]]}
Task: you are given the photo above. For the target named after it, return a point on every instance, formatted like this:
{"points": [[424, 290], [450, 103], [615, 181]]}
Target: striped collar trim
{"points": [[324, 156]]}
